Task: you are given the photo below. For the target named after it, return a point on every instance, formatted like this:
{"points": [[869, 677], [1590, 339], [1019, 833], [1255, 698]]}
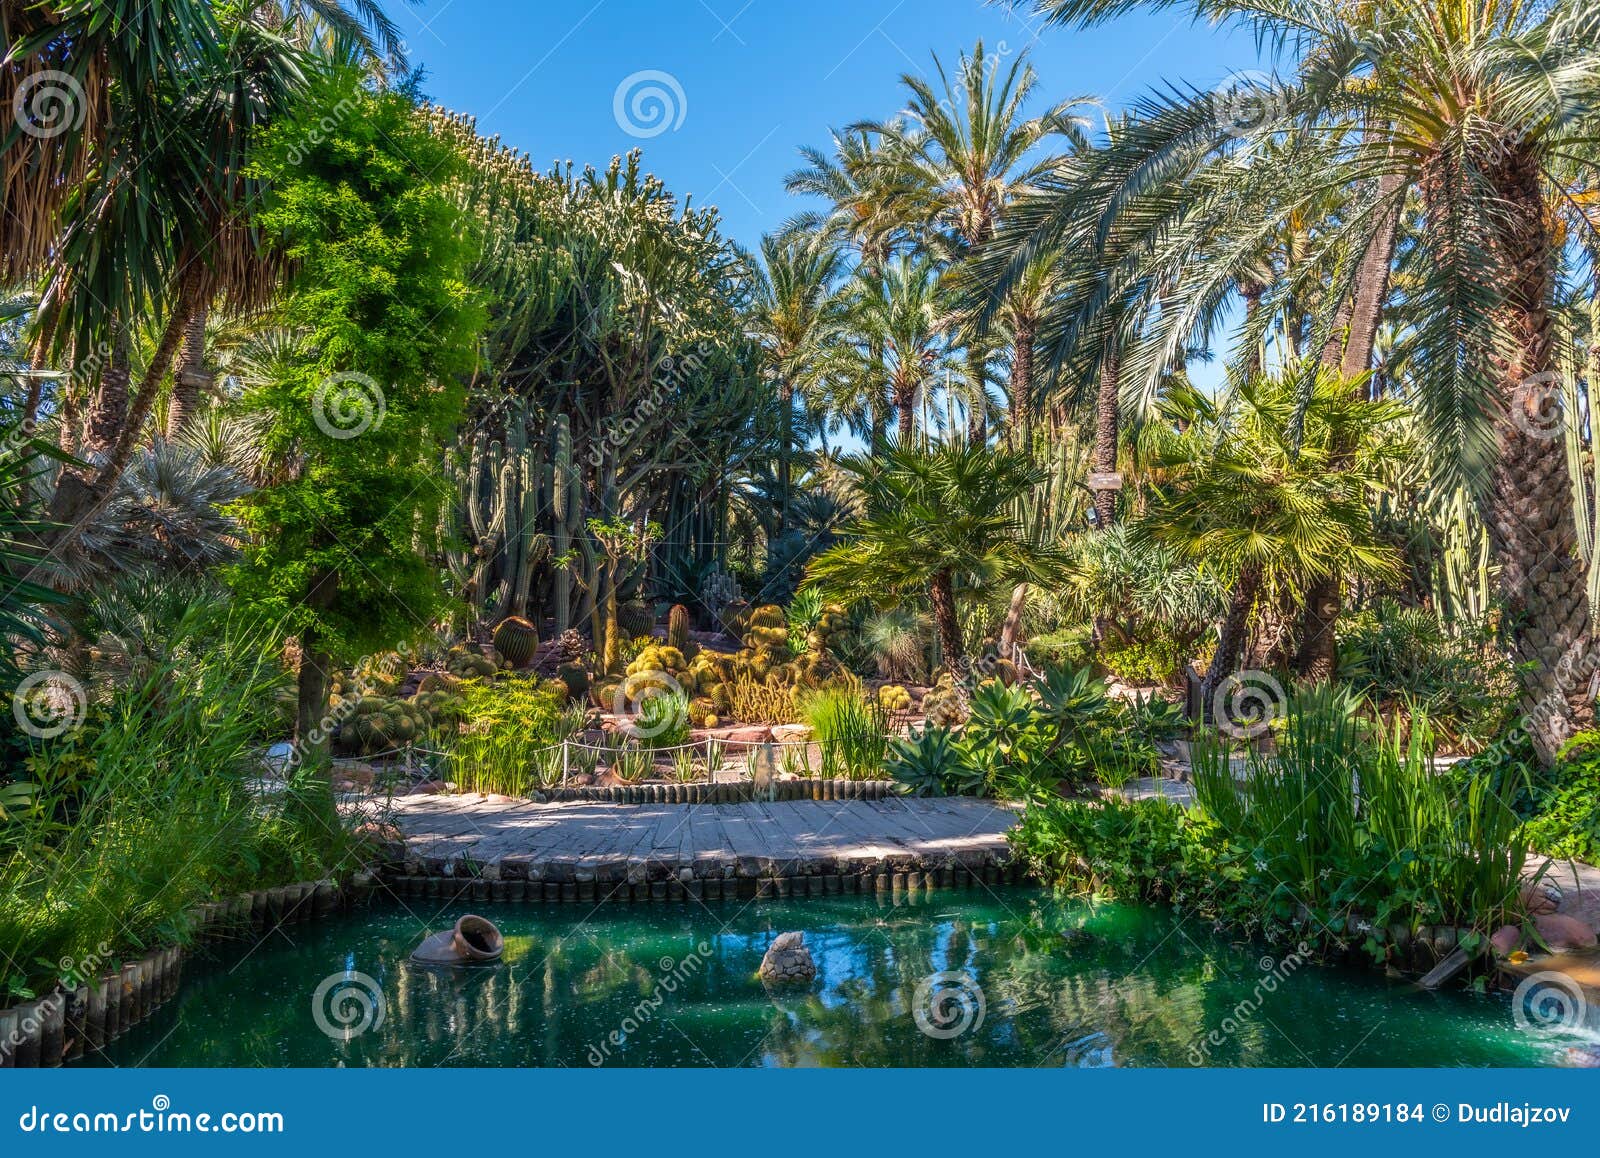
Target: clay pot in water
{"points": [[473, 941]]}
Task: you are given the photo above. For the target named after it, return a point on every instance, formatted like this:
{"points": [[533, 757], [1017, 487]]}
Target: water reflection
{"points": [[1061, 985]]}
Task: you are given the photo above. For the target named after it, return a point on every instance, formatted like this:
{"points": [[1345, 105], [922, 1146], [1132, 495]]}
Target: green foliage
{"points": [[852, 730], [1409, 662], [1137, 588], [1565, 805], [383, 323], [663, 720], [928, 763], [1142, 662], [1070, 647], [147, 808], [504, 727]]}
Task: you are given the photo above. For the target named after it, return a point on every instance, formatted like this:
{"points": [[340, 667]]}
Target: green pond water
{"points": [[1018, 979]]}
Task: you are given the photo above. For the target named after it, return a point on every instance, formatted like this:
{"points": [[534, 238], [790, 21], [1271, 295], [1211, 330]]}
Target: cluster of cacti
{"points": [[830, 627], [703, 712], [660, 657], [944, 705], [894, 697], [376, 724], [468, 663], [735, 618], [378, 675], [501, 490], [1005, 671], [767, 629], [516, 639]]}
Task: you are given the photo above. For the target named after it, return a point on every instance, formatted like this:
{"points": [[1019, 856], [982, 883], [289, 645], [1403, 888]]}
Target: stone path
{"points": [[786, 838]]}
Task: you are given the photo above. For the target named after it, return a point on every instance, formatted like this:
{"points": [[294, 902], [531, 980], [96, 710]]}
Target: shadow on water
{"points": [[1012, 979]]}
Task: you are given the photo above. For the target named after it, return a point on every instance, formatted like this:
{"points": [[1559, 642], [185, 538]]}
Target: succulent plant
{"points": [[678, 627], [576, 678], [571, 646], [894, 697], [635, 618], [516, 639]]}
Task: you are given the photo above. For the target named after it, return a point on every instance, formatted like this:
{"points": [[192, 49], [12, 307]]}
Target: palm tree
{"points": [[965, 148], [932, 519], [1483, 109], [1268, 506], [901, 312], [796, 317]]}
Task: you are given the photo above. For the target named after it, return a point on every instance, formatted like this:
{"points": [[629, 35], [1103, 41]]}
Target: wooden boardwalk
{"points": [[603, 841]]}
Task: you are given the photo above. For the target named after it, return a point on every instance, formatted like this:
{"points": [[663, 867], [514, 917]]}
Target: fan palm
{"points": [[1264, 505], [1483, 108], [933, 518]]}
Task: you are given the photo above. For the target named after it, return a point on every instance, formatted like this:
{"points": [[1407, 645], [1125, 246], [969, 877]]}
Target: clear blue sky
{"points": [[758, 77]]}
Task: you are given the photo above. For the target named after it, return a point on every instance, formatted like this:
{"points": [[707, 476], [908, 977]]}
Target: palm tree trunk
{"points": [[905, 404], [1022, 384], [1106, 428], [108, 410], [1530, 508], [785, 449], [941, 594], [192, 380], [977, 419], [1230, 640], [1013, 623], [1317, 657]]}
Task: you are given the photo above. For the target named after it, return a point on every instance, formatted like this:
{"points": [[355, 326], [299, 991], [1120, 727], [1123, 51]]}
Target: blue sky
{"points": [[758, 78]]}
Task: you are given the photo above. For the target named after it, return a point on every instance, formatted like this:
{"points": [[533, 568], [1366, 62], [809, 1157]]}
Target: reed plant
{"points": [[851, 730]]}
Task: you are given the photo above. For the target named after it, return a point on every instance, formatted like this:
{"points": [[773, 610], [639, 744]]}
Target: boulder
{"points": [[1539, 898], [1504, 939], [788, 961], [791, 733], [750, 735], [429, 788], [1563, 933]]}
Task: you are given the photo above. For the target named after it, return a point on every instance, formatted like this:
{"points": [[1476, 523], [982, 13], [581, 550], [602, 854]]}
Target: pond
{"points": [[1017, 978]]}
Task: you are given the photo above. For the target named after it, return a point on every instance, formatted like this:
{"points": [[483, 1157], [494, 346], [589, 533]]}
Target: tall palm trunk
{"points": [[1106, 431], [785, 450], [1317, 658], [1022, 361], [108, 410], [193, 380], [1530, 509], [1230, 640], [905, 404], [942, 596], [977, 418]]}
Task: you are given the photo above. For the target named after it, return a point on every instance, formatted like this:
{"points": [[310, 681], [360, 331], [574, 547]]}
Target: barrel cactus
{"points": [[516, 639], [894, 697], [576, 677], [678, 628], [635, 618]]}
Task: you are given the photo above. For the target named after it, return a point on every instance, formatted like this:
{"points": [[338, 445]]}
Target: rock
{"points": [[788, 961], [428, 788], [497, 798], [278, 757], [749, 735], [1539, 898], [791, 733], [1504, 939], [355, 773], [1563, 933]]}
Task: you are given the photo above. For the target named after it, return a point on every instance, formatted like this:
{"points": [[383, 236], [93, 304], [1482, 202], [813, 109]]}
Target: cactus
{"points": [[678, 627], [576, 677], [635, 618], [516, 639], [894, 697]]}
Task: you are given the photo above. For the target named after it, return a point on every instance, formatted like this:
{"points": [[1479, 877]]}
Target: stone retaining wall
{"points": [[730, 792], [556, 881]]}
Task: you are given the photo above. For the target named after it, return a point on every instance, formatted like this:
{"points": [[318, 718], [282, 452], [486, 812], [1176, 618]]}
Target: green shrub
{"points": [[1073, 647], [663, 720], [1158, 660], [504, 728], [1565, 820], [852, 731]]}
